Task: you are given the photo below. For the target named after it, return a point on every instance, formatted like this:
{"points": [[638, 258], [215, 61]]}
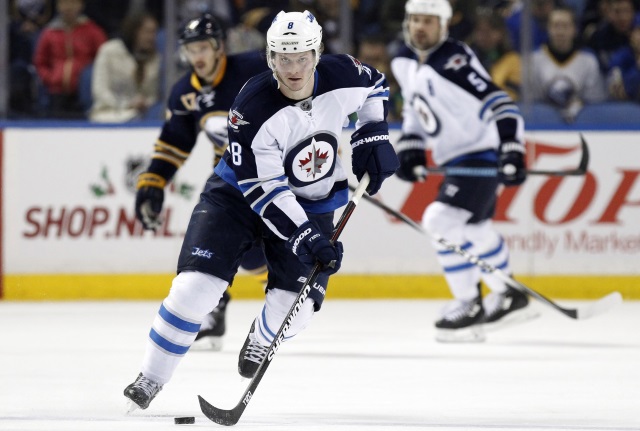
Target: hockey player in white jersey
{"points": [[451, 104], [280, 181]]}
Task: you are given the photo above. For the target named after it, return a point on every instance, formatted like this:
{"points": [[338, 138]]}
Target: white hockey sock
{"points": [[277, 304], [192, 296], [490, 247]]}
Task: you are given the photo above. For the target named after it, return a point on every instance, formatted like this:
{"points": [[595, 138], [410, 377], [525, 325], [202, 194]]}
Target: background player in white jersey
{"points": [[199, 100], [451, 104], [279, 181]]}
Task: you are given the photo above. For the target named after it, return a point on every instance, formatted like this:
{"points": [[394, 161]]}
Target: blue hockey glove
{"points": [[309, 244], [149, 199], [373, 153], [413, 158], [511, 164]]}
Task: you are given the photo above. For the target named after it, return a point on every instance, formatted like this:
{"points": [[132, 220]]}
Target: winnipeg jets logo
{"points": [[235, 119], [361, 67], [427, 118], [312, 164], [312, 159], [456, 62]]}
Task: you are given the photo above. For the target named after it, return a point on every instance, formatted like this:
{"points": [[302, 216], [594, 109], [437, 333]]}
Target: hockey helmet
{"points": [[293, 32], [440, 8], [202, 28]]}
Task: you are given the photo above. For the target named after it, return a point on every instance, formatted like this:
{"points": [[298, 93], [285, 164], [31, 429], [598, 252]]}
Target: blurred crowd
{"points": [[78, 59]]}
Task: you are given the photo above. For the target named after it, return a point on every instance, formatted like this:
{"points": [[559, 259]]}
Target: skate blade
{"points": [[131, 407], [512, 319], [472, 334], [213, 344]]}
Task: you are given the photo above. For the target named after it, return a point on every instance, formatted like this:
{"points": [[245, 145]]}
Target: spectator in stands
{"points": [[614, 32], [540, 10], [624, 78], [27, 19], [594, 14], [373, 50], [463, 18], [562, 73], [109, 18], [67, 45], [491, 43], [126, 72]]}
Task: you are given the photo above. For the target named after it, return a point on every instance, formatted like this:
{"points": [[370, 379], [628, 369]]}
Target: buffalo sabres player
{"points": [[280, 181], [451, 104], [200, 100]]}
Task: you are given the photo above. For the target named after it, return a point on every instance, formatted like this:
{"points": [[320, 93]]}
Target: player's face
{"points": [[202, 57], [424, 31], [294, 71]]}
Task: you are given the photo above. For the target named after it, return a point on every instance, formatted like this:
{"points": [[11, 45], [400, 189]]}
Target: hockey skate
{"points": [[461, 321], [141, 392], [507, 308], [213, 327], [251, 355]]}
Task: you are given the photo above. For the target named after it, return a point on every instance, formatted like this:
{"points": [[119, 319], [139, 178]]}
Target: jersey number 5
{"points": [[477, 82]]}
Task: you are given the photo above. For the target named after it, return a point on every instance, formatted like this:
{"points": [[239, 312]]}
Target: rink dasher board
{"points": [[68, 209]]}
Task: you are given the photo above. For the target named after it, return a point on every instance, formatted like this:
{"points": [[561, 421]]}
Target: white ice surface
{"points": [[361, 365]]}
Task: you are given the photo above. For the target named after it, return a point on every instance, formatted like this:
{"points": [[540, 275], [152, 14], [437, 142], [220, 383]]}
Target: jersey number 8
{"points": [[236, 153]]}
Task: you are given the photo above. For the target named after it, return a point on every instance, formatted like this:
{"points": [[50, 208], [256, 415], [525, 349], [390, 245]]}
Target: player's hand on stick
{"points": [[413, 158], [149, 199], [309, 244], [373, 153], [511, 164]]}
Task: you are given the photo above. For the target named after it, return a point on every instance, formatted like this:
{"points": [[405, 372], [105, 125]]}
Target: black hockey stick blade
{"points": [[463, 171], [232, 416], [594, 309]]}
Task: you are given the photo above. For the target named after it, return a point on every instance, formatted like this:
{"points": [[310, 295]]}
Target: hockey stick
{"points": [[492, 172], [598, 307], [231, 417]]}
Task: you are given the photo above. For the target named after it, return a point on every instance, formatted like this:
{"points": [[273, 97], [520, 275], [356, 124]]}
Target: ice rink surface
{"points": [[361, 365]]}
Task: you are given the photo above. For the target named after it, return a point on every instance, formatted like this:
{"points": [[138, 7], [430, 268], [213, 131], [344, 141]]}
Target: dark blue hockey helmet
{"points": [[202, 28]]}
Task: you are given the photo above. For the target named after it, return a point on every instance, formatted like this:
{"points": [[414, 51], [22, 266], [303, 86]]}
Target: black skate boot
{"points": [[141, 392], [508, 307], [461, 321], [251, 355], [213, 327]]}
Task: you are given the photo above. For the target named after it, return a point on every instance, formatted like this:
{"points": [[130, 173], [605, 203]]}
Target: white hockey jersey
{"points": [[283, 154], [451, 103]]}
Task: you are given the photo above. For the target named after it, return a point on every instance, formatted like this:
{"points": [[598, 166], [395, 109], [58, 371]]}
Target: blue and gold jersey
{"points": [[195, 105]]}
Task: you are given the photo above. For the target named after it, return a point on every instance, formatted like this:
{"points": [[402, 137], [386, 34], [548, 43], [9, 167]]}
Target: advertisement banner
{"points": [[68, 208]]}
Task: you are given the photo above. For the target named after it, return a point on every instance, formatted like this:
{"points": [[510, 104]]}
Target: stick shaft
{"points": [[231, 417]]}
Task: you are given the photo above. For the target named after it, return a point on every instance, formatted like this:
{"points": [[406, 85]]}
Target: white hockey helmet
{"points": [[293, 32], [439, 8]]}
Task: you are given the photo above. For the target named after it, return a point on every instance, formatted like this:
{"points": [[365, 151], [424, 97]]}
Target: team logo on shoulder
{"points": [[456, 62], [361, 67], [312, 159], [235, 119]]}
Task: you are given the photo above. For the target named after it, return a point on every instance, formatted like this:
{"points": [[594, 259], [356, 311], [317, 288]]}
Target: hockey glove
{"points": [[309, 244], [149, 199], [373, 153], [511, 164], [413, 158]]}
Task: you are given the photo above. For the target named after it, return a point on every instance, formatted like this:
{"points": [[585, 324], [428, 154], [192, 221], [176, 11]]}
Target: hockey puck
{"points": [[185, 420]]}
